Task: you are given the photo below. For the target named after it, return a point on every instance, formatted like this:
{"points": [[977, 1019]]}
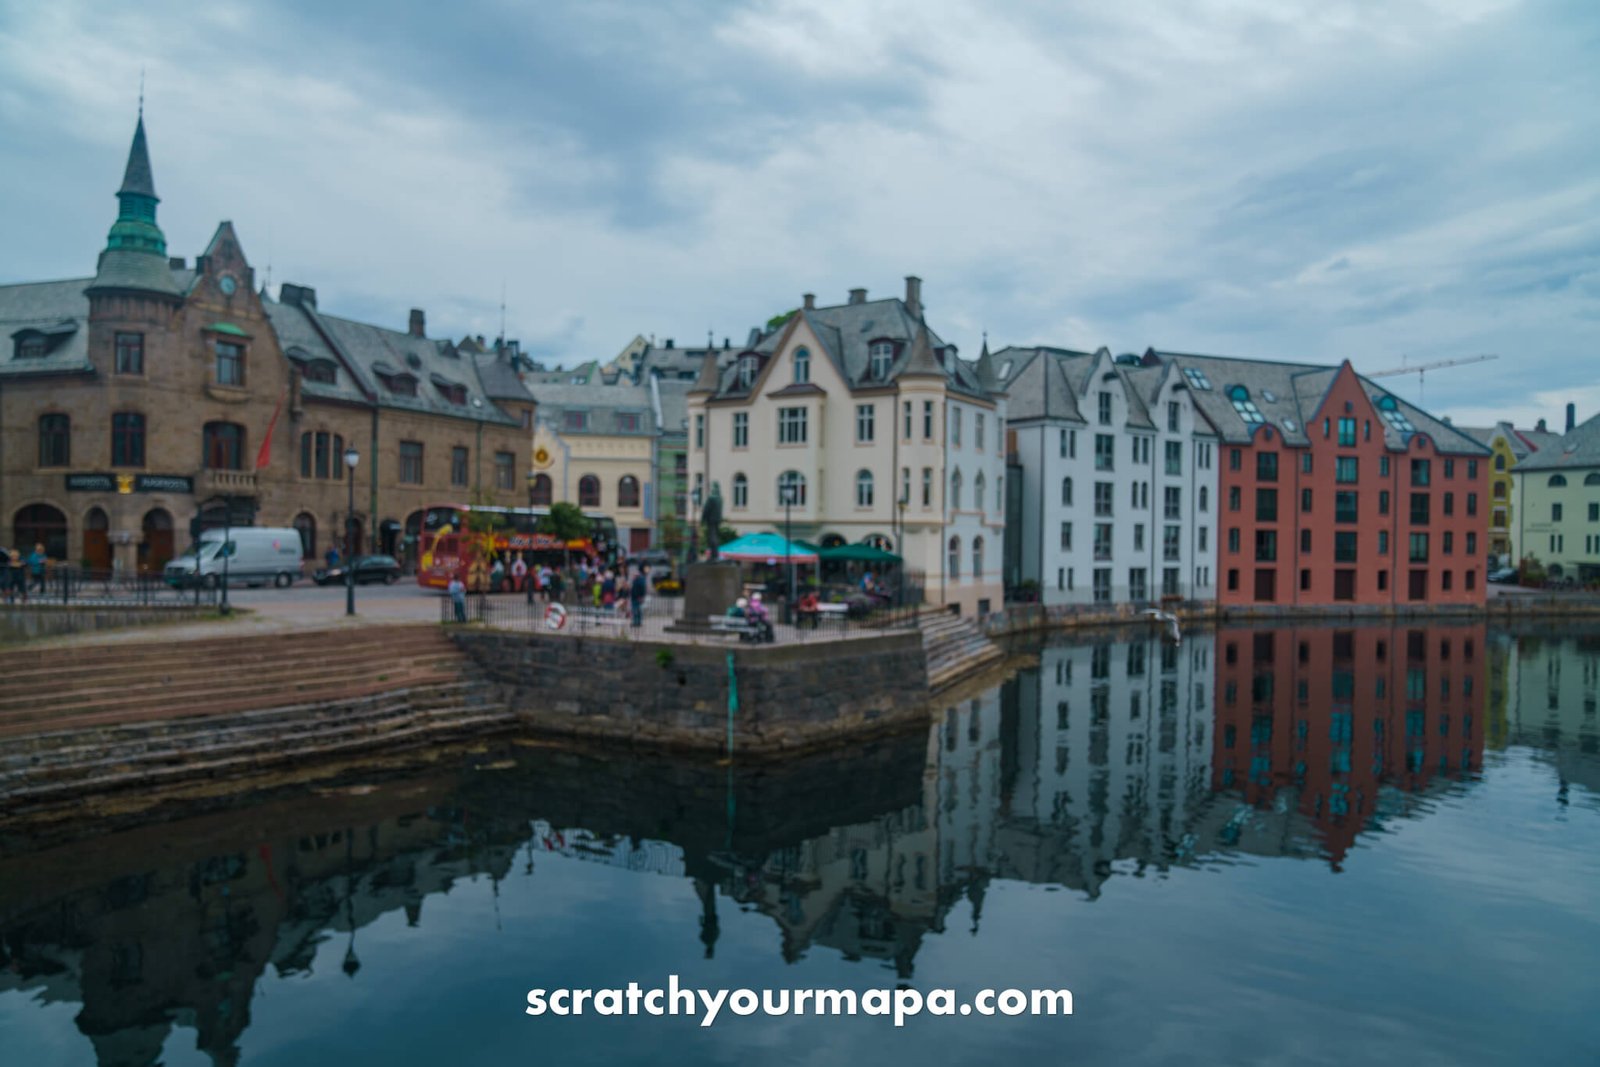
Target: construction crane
{"points": [[1421, 370]]}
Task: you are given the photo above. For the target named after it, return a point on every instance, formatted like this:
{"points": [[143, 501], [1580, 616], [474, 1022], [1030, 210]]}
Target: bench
{"points": [[743, 629], [598, 616]]}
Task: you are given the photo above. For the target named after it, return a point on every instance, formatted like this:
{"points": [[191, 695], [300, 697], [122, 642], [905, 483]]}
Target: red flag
{"points": [[264, 456]]}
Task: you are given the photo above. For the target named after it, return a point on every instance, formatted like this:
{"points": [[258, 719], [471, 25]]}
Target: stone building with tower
{"points": [[158, 392]]}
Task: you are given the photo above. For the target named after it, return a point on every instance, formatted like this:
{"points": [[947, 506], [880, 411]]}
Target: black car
{"points": [[369, 569]]}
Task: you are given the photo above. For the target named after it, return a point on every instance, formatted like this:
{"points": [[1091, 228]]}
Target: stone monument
{"points": [[710, 587]]}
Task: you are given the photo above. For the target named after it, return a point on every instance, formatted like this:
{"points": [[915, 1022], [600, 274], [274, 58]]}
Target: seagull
{"points": [[1168, 618]]}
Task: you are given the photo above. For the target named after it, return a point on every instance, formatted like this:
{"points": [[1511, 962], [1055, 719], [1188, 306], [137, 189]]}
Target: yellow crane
{"points": [[1421, 370]]}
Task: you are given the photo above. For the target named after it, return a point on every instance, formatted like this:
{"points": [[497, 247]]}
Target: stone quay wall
{"points": [[790, 698], [36, 621]]}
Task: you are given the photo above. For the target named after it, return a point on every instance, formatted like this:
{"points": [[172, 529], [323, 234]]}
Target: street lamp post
{"points": [[788, 538], [351, 458], [527, 579]]}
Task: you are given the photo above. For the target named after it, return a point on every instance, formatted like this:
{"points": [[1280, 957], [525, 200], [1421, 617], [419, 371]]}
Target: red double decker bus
{"points": [[448, 545]]}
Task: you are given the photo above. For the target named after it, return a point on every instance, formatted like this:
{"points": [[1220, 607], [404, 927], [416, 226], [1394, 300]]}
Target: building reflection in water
{"points": [[1131, 755]]}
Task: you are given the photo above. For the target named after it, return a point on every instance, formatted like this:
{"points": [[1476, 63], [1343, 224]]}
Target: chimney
{"points": [[858, 296], [1539, 426], [175, 262], [301, 296], [810, 300], [727, 342], [1572, 417], [419, 324], [669, 342], [914, 295]]}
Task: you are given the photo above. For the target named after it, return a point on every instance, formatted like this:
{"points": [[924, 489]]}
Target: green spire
{"points": [[136, 228]]}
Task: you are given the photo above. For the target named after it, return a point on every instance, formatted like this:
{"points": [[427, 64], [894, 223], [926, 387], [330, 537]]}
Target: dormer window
{"points": [[320, 370], [1389, 408], [399, 384], [575, 420], [1240, 396], [879, 355], [30, 346], [747, 371], [452, 392], [802, 366]]}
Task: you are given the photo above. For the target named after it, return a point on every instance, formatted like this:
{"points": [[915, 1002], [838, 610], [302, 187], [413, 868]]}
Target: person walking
{"points": [[637, 591], [37, 561], [16, 576], [5, 576], [458, 596], [519, 573]]}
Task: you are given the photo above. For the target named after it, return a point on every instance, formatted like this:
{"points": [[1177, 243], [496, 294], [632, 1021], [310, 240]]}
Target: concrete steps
{"points": [[138, 715], [953, 647]]}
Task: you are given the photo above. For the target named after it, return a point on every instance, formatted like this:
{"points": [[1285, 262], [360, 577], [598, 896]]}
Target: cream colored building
{"points": [[882, 432], [594, 446]]}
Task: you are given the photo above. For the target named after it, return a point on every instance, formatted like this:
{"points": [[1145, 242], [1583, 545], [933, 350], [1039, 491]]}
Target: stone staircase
{"points": [[954, 647], [97, 718]]}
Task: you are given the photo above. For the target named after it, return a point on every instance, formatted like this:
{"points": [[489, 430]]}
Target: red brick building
{"points": [[1320, 721], [1333, 491]]}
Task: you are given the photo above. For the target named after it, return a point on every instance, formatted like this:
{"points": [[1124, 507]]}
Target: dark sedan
{"points": [[368, 569]]}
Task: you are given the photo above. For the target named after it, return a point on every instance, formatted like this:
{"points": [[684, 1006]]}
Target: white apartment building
{"points": [[1119, 476], [877, 427]]}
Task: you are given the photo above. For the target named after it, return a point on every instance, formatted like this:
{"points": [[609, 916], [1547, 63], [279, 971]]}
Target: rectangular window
{"points": [[505, 470], [1472, 583], [1102, 540], [1449, 468], [1472, 475], [927, 487], [1305, 501], [1383, 542], [1102, 585], [1104, 404], [1266, 505], [1171, 542], [55, 441], [1344, 546], [1383, 466], [1419, 509], [1266, 546], [1347, 432], [1066, 537], [905, 411], [1383, 502], [1234, 459], [791, 426], [1173, 411], [1202, 536], [1233, 579], [1172, 502], [1472, 503], [230, 363], [410, 462], [1069, 444], [1266, 466], [1347, 469], [1449, 503], [127, 439], [1419, 548], [1102, 498], [1420, 471], [1104, 451], [1305, 541], [977, 430], [927, 420], [955, 426], [1448, 544], [1174, 450], [699, 431], [1344, 584], [741, 429], [1305, 463], [1138, 537], [1594, 513], [1472, 544], [458, 466], [1234, 498], [1233, 539], [1137, 590], [578, 421], [130, 353], [1345, 506], [866, 423], [627, 422]]}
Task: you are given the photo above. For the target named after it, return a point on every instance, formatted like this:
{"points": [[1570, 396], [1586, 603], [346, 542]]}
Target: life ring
{"points": [[555, 616]]}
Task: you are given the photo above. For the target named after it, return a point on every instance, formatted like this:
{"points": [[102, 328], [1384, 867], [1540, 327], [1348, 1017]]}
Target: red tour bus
{"points": [[446, 547]]}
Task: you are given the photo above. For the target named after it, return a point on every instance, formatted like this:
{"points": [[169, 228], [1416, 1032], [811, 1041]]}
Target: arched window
{"points": [[741, 491], [306, 527], [627, 491], [953, 564], [155, 544], [980, 487], [1499, 462], [879, 355], [1591, 479], [55, 441], [955, 489], [588, 491], [224, 446], [40, 524], [863, 489], [541, 492], [802, 366], [792, 489], [1066, 492], [97, 540], [977, 557], [1557, 481]]}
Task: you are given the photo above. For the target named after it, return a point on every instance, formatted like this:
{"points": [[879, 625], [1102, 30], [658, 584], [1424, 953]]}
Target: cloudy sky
{"points": [[1387, 181]]}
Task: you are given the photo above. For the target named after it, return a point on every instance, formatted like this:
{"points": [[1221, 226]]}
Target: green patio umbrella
{"points": [[857, 554]]}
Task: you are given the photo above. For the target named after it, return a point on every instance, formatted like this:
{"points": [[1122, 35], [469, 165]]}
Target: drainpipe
{"points": [[372, 475]]}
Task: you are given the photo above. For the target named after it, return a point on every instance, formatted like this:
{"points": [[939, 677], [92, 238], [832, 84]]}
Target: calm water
{"points": [[1308, 846]]}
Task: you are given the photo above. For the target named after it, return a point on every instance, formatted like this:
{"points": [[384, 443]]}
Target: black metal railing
{"points": [[662, 619], [76, 587]]}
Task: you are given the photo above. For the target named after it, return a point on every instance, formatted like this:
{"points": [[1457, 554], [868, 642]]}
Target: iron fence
{"points": [[75, 587], [662, 619]]}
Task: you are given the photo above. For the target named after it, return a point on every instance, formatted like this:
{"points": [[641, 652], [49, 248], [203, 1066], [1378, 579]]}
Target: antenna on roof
{"points": [[502, 309], [141, 94]]}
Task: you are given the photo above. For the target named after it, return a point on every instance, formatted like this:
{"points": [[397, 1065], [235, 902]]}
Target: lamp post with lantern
{"points": [[351, 458]]}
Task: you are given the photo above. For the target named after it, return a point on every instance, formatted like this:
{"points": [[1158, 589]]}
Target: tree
{"points": [[778, 320], [565, 521]]}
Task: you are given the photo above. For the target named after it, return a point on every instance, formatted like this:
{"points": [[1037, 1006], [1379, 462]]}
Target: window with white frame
{"points": [[863, 489], [866, 419], [747, 371], [1104, 402], [977, 557], [955, 489], [977, 431], [802, 366], [953, 564], [741, 491], [927, 487], [955, 426], [879, 355], [1066, 492], [791, 426], [980, 487], [741, 429], [792, 489]]}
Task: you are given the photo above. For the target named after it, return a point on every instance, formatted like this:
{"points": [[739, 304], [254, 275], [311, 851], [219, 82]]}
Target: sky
{"points": [[1393, 182]]}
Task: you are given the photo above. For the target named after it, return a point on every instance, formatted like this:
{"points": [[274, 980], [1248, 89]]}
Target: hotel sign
{"points": [[130, 483]]}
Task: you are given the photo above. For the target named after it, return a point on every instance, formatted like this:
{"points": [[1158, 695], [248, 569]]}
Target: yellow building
{"points": [[1510, 446], [594, 446]]}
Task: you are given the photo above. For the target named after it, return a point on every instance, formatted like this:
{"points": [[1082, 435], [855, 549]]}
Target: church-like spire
{"points": [[135, 256], [922, 363]]}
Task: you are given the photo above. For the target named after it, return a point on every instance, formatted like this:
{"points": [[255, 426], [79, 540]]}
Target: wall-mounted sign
{"points": [[129, 483]]}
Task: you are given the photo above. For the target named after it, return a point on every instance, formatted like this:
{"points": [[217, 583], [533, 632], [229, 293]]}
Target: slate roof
{"points": [[1578, 448], [1036, 381], [497, 372], [1523, 442], [46, 306], [674, 405], [1288, 394], [600, 401], [362, 352], [676, 364], [125, 268], [845, 331], [137, 177]]}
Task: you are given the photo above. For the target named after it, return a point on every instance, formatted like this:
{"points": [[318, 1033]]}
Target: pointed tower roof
{"points": [[137, 177], [710, 376], [922, 363], [985, 365], [135, 255]]}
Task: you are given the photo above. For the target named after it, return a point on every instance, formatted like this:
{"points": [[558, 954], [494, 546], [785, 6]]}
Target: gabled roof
{"points": [[46, 306], [601, 402], [497, 372], [1578, 448]]}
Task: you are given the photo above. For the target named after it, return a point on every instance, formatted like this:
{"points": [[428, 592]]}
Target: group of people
{"points": [[603, 588], [754, 612], [19, 574]]}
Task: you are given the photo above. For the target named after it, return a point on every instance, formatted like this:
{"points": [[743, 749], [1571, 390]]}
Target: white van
{"points": [[253, 555]]}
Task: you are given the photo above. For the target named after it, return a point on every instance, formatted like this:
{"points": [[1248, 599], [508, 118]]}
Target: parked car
{"points": [[1504, 574], [368, 569]]}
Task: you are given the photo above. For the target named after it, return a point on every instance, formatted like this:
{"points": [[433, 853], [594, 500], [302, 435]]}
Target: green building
{"points": [[1558, 505]]}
